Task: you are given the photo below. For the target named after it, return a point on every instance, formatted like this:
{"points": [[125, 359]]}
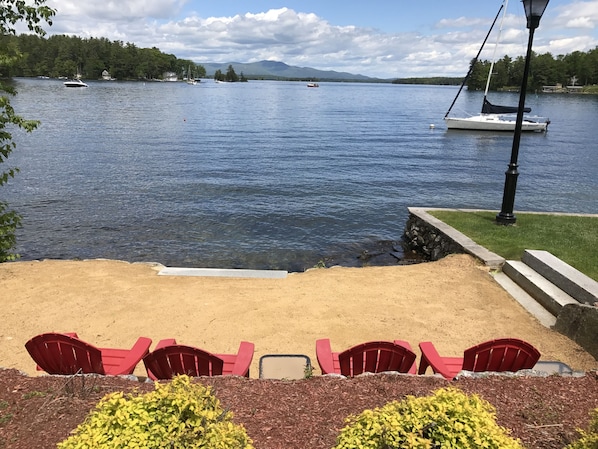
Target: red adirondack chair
{"points": [[373, 357], [66, 354], [505, 354], [170, 359]]}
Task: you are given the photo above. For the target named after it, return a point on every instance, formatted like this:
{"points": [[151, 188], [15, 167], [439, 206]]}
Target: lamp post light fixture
{"points": [[533, 11]]}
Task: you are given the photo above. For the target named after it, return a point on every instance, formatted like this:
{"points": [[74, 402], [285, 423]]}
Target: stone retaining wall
{"points": [[425, 239], [579, 322]]}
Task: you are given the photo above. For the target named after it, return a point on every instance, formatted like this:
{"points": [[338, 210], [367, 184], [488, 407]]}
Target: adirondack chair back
{"points": [[375, 357], [169, 361], [62, 354], [507, 354]]}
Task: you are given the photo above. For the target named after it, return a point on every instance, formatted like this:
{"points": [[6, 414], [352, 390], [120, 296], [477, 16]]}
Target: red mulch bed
{"points": [[544, 412]]}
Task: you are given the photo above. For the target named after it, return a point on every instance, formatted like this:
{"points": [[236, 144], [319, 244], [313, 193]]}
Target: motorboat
{"points": [[75, 83]]}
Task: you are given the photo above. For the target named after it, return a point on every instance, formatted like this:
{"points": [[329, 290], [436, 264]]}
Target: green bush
{"points": [[176, 415], [589, 439], [447, 419]]}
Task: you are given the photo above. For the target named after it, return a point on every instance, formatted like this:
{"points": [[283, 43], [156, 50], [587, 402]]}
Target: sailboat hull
{"points": [[493, 122]]}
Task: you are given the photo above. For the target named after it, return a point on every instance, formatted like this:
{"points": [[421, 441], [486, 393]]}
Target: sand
{"points": [[454, 303]]}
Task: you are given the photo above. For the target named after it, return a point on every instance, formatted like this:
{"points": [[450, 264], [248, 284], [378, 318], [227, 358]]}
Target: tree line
{"points": [[230, 76], [577, 68], [66, 56]]}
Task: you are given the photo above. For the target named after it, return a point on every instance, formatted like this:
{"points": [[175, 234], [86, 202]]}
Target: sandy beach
{"points": [[454, 303]]}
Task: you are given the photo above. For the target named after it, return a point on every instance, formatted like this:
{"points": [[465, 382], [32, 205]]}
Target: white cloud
{"points": [[581, 22], [569, 45], [305, 39], [578, 15], [119, 10]]}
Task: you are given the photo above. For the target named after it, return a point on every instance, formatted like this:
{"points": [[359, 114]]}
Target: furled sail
{"points": [[489, 108]]}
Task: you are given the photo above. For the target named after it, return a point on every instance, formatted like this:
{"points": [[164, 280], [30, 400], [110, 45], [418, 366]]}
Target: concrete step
{"points": [[223, 272], [541, 289], [525, 299], [576, 284]]}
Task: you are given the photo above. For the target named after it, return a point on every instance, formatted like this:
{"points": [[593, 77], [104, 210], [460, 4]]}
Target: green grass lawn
{"points": [[572, 239]]}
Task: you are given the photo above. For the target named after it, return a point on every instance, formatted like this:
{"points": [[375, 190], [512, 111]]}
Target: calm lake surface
{"points": [[271, 174]]}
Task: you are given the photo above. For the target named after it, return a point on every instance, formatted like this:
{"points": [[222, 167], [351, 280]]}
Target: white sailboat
{"points": [[190, 78], [494, 117]]}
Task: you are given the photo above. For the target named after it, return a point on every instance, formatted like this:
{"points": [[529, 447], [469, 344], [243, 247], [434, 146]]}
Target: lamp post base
{"points": [[506, 218]]}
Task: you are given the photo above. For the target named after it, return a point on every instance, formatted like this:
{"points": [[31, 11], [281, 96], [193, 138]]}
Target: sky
{"points": [[377, 38]]}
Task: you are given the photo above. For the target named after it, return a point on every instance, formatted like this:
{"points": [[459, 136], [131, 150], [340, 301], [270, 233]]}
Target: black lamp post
{"points": [[533, 11]]}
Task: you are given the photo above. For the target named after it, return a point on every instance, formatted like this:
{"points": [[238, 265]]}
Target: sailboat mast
{"points": [[504, 13], [475, 60]]}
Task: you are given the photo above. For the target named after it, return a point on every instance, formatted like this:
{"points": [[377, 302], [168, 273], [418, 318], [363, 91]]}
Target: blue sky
{"points": [[379, 38], [385, 15]]}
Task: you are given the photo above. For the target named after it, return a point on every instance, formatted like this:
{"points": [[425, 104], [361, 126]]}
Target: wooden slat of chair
{"points": [[64, 354], [375, 357], [168, 361], [507, 354]]}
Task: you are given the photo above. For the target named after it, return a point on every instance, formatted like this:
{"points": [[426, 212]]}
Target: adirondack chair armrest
{"points": [[324, 356], [431, 358], [404, 344], [165, 342], [139, 350], [244, 358]]}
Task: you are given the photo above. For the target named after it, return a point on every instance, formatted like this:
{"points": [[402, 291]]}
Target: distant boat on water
{"points": [[190, 78], [75, 83]]}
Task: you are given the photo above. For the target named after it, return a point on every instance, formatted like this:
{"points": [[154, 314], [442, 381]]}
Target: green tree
{"points": [[501, 73], [479, 75], [546, 71], [11, 13], [152, 64], [593, 62], [200, 71], [231, 76]]}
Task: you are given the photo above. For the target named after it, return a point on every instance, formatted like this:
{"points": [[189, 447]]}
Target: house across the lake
{"points": [[170, 76], [106, 76], [559, 89]]}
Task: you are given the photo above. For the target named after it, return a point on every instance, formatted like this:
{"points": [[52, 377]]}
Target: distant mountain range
{"points": [[280, 70]]}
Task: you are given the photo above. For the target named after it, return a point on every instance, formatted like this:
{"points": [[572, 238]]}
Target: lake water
{"points": [[271, 174]]}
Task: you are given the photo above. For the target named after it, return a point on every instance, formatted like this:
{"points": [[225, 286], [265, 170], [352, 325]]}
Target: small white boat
{"points": [[313, 85], [75, 83]]}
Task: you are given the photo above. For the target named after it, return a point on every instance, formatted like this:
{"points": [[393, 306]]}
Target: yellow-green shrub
{"points": [[589, 439], [176, 415], [447, 419]]}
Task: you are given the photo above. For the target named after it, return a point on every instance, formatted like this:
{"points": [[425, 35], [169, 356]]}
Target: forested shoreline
{"points": [[65, 56], [577, 69]]}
